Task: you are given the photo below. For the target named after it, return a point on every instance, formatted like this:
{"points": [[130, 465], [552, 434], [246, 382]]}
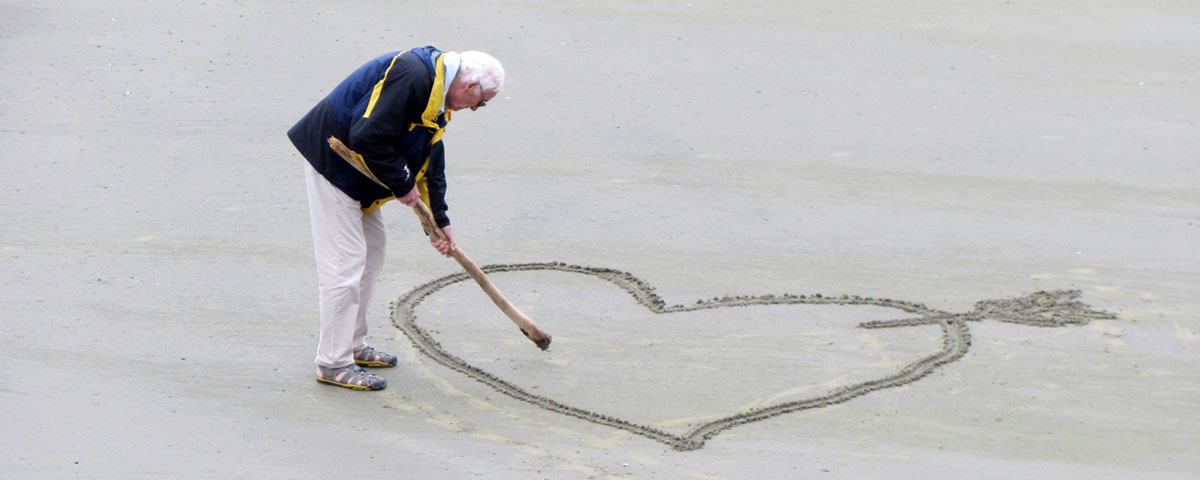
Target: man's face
{"points": [[467, 95]]}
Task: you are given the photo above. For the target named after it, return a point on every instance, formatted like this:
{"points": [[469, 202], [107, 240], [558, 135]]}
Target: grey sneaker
{"points": [[369, 357], [350, 376]]}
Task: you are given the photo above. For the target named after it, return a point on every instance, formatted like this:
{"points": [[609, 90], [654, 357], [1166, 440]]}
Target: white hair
{"points": [[480, 67]]}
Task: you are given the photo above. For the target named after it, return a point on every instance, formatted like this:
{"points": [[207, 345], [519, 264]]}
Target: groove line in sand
{"points": [[1042, 309]]}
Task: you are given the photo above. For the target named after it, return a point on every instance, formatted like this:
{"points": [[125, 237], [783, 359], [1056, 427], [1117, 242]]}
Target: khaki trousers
{"points": [[349, 249]]}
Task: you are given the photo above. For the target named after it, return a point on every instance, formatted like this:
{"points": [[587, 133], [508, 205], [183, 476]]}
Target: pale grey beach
{"points": [[771, 240]]}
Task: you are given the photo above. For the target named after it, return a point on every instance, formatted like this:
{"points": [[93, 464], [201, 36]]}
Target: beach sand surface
{"points": [[160, 295]]}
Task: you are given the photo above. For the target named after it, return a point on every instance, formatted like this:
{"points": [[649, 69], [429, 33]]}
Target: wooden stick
{"points": [[531, 330]]}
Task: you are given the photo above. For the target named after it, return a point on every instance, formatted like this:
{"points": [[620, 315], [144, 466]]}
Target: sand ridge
{"points": [[1042, 309]]}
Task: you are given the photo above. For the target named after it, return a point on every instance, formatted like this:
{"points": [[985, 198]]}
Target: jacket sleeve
{"points": [[435, 180], [376, 133]]}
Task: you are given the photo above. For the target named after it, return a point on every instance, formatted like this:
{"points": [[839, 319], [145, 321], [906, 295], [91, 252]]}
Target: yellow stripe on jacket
{"points": [[375, 92]]}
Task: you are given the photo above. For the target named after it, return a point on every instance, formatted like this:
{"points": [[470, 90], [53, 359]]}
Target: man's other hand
{"points": [[447, 246]]}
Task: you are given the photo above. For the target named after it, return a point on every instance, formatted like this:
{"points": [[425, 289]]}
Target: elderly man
{"points": [[392, 113]]}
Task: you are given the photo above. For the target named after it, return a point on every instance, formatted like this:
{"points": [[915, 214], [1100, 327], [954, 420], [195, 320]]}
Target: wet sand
{"points": [[663, 187]]}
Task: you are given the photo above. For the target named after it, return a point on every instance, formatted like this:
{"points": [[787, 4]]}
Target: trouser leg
{"points": [[375, 235], [340, 248]]}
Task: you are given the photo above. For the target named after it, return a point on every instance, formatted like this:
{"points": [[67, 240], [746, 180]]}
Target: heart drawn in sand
{"points": [[1046, 309]]}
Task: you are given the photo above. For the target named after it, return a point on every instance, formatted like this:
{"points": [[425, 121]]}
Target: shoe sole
{"points": [[350, 385], [374, 364]]}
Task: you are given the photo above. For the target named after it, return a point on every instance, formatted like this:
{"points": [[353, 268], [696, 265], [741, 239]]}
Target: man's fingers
{"points": [[409, 199], [442, 247]]}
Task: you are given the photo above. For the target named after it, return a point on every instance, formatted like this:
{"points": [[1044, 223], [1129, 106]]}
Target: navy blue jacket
{"points": [[389, 112]]}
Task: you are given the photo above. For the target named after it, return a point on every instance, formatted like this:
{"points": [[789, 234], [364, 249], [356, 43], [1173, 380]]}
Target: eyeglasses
{"points": [[482, 102]]}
